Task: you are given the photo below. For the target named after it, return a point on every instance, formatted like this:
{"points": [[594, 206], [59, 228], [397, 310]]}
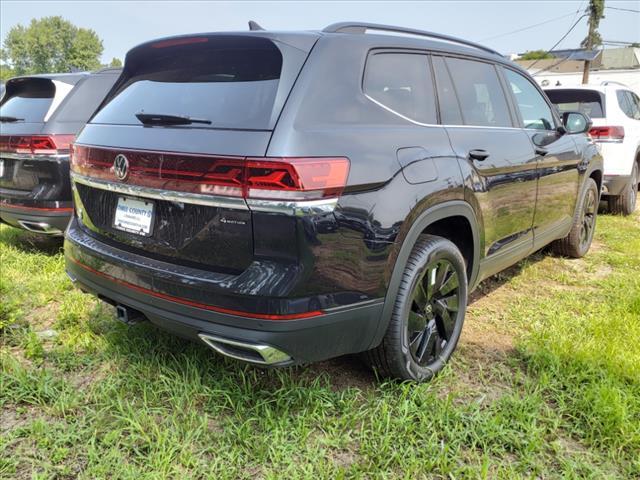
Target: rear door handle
{"points": [[478, 154], [541, 151]]}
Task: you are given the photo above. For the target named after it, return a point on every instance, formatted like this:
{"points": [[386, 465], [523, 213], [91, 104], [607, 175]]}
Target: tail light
{"points": [[36, 144], [296, 178], [607, 133], [287, 179]]}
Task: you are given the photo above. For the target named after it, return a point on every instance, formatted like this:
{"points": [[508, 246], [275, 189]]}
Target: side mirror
{"points": [[576, 122]]}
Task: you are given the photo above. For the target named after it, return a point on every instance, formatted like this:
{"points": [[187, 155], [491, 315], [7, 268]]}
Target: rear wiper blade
{"points": [[162, 119], [4, 118]]}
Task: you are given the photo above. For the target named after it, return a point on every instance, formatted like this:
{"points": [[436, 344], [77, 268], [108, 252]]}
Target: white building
{"points": [[621, 65]]}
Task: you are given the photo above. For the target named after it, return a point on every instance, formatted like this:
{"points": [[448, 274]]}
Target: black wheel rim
{"points": [[634, 187], [588, 218], [435, 302]]}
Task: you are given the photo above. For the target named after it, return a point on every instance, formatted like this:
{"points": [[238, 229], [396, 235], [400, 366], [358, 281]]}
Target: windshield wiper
{"points": [[4, 118], [162, 119]]}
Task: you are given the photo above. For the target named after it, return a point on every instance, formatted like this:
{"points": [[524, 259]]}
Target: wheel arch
{"points": [[429, 217]]}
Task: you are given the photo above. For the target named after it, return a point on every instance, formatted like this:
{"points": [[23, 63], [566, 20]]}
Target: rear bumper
{"points": [[615, 184], [35, 192], [618, 157], [50, 218], [333, 332]]}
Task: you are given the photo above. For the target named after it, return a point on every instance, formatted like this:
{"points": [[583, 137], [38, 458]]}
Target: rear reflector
{"points": [[17, 206], [288, 179], [607, 133], [36, 144]]}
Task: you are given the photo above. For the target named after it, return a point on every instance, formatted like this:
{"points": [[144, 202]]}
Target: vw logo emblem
{"points": [[121, 167]]}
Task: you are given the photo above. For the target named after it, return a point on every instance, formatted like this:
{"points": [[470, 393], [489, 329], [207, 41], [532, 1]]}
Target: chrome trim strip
{"points": [[415, 122], [166, 195], [32, 156], [269, 354], [299, 208], [390, 110]]}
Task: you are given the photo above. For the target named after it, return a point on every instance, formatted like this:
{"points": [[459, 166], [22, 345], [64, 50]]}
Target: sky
{"points": [[123, 24]]}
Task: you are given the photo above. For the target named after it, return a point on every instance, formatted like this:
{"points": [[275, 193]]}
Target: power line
{"points": [[623, 9], [561, 38], [527, 28]]}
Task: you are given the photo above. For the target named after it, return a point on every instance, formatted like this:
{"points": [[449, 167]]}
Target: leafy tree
{"points": [[51, 44], [536, 55], [115, 62], [6, 72], [596, 13]]}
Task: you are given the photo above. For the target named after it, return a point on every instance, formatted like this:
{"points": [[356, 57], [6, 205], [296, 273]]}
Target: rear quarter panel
{"points": [[327, 114]]}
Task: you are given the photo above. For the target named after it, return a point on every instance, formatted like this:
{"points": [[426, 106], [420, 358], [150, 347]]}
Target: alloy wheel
{"points": [[434, 311], [634, 187], [588, 218]]}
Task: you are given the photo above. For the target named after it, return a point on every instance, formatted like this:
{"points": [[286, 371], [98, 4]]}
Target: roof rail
{"points": [[361, 27], [611, 82]]}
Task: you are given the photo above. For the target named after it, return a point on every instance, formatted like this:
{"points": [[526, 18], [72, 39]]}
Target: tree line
{"points": [[50, 45]]}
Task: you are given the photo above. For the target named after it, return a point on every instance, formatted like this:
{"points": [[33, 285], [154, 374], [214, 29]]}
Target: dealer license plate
{"points": [[134, 216]]}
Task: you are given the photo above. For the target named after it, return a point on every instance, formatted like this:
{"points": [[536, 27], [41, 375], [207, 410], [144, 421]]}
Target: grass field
{"points": [[545, 384]]}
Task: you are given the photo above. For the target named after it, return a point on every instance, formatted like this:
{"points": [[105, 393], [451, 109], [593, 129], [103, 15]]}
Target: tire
{"points": [[578, 242], [428, 314], [625, 203]]}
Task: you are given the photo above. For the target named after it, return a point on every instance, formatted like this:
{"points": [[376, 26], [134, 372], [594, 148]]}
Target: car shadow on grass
{"points": [[28, 242], [148, 344], [145, 345]]}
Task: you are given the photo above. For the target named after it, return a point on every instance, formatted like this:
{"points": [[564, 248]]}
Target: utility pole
{"points": [[593, 38]]}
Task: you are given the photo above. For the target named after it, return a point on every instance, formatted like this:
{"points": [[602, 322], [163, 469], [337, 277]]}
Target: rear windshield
{"points": [[230, 81], [588, 102], [28, 99]]}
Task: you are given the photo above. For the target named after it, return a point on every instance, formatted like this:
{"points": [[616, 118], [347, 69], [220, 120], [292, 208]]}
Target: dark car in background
{"points": [[287, 197], [40, 116]]}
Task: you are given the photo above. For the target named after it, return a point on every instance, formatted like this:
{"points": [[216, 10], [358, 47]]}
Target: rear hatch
{"points": [[587, 102], [158, 170], [27, 105], [592, 104]]}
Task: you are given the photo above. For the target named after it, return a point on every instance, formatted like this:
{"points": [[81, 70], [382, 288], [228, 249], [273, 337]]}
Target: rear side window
{"points": [[628, 105], [230, 81], [534, 110], [588, 102], [28, 99], [449, 107], [84, 99], [481, 96], [402, 83]]}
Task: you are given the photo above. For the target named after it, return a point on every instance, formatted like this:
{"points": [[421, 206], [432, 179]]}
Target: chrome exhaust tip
{"points": [[39, 227], [247, 352]]}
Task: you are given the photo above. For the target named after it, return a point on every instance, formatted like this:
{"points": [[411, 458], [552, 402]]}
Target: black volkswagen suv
{"points": [[39, 118], [291, 197]]}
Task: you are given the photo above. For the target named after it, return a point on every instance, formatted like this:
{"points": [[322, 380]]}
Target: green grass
{"points": [[545, 384]]}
